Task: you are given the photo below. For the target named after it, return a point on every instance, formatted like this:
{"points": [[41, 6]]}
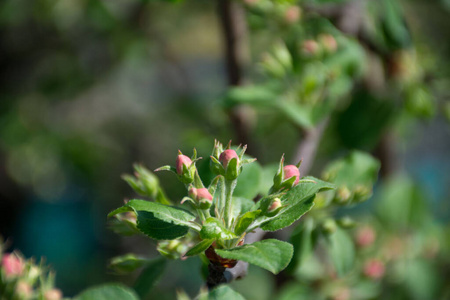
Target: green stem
{"points": [[207, 214], [229, 188], [201, 215]]}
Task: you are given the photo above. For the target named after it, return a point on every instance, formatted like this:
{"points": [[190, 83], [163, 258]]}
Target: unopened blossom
{"points": [[182, 160], [226, 156], [12, 265], [290, 171]]}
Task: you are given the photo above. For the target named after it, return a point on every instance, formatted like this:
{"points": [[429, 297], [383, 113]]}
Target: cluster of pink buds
{"points": [[20, 278], [325, 43]]}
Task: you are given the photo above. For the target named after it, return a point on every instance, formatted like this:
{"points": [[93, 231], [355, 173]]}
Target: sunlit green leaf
{"points": [[127, 263], [200, 247], [214, 229], [272, 255]]}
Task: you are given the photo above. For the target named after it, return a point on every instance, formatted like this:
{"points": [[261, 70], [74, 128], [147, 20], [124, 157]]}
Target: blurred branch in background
{"points": [[235, 41]]}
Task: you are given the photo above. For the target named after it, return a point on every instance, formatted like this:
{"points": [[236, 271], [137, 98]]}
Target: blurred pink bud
{"points": [[329, 42], [53, 294], [290, 171], [292, 14], [24, 290], [365, 236], [310, 47], [12, 265], [226, 156], [182, 160], [374, 269], [342, 293]]}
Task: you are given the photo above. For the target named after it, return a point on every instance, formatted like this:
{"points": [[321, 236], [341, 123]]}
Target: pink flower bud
{"points": [[374, 269], [365, 236], [203, 193], [275, 204], [274, 207], [292, 14], [182, 160], [291, 170], [53, 294], [310, 47], [12, 265], [24, 290], [226, 156]]}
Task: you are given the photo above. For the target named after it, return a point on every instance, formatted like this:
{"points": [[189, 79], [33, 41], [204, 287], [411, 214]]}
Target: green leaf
{"points": [[365, 120], [296, 202], [303, 241], [401, 204], [127, 263], [272, 255], [149, 276], [299, 115], [158, 229], [262, 96], [108, 292], [249, 181], [357, 168], [200, 247], [224, 292], [214, 229], [166, 213], [245, 220], [122, 226], [241, 206], [120, 210], [341, 250]]}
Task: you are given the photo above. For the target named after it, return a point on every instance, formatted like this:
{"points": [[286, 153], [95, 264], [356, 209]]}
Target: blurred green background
{"points": [[88, 87]]}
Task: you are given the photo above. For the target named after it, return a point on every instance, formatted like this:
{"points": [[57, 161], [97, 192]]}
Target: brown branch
{"points": [[307, 147], [234, 29]]}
